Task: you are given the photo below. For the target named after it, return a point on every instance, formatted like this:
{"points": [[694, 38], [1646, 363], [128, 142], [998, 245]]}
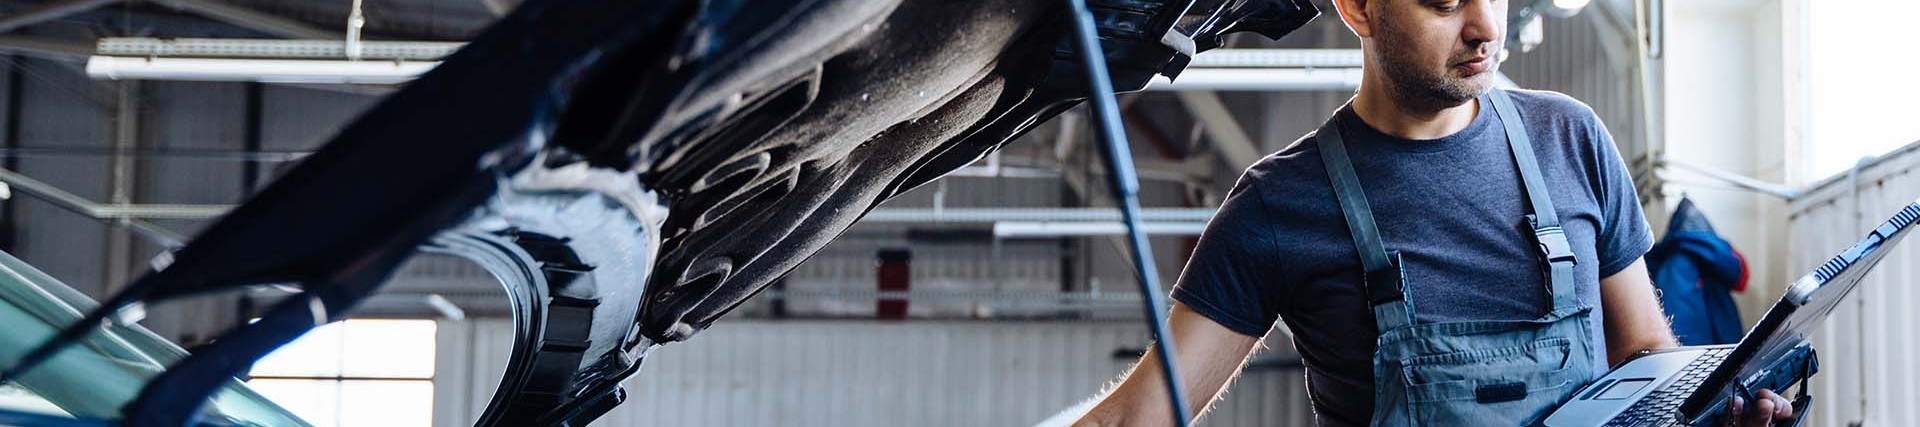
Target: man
{"points": [[1443, 254]]}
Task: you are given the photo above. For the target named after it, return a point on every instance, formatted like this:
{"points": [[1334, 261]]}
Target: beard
{"points": [[1421, 86]]}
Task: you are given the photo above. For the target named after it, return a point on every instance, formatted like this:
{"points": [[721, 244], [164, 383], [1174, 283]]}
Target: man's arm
{"points": [[1209, 355], [1634, 320]]}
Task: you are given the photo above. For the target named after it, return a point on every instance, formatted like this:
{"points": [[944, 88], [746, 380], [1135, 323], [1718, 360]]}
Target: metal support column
{"points": [[251, 141], [1650, 47], [1126, 190], [9, 212], [126, 138], [253, 138]]}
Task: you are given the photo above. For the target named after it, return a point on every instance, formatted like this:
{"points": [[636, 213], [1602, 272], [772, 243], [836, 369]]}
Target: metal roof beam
{"points": [[255, 20], [500, 7], [1222, 129], [44, 48], [50, 11]]}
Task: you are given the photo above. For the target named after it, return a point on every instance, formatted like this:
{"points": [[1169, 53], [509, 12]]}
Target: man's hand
{"points": [[1771, 407]]}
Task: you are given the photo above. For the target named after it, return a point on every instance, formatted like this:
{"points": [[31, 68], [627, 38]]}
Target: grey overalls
{"points": [[1476, 373]]}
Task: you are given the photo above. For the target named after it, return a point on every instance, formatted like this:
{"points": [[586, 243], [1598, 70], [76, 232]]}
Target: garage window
{"points": [[1861, 94], [358, 372]]}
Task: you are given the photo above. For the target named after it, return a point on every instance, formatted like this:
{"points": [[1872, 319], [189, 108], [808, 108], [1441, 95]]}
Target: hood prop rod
{"points": [[1126, 192]]}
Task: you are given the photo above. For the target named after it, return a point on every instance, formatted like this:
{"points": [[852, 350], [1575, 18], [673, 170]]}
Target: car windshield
{"points": [[93, 380]]}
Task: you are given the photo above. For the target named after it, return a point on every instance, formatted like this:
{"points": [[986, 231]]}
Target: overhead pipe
{"points": [[1274, 79], [321, 62], [1784, 192], [1278, 58], [268, 61], [1260, 79], [996, 215], [1025, 229]]}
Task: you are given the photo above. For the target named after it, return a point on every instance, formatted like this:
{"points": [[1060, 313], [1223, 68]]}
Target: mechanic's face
{"points": [[1436, 53]]}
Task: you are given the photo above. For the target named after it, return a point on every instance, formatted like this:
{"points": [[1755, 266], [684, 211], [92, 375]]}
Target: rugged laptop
{"points": [[1690, 385]]}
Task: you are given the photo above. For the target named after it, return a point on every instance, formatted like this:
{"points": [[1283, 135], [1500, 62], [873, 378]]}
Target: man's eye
{"points": [[1445, 6]]}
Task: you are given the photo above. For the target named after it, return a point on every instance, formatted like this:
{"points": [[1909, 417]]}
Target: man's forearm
{"points": [[1138, 396], [1634, 320], [1209, 354]]}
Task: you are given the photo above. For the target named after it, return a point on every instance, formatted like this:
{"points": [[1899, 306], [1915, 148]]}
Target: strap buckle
{"points": [[1552, 241], [1554, 247], [1387, 284]]}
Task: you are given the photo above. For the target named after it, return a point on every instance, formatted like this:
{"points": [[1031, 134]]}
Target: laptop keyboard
{"points": [[1661, 407]]}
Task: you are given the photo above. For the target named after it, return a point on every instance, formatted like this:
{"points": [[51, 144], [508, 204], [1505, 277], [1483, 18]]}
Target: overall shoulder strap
{"points": [[1382, 276], [1556, 252], [1523, 156]]}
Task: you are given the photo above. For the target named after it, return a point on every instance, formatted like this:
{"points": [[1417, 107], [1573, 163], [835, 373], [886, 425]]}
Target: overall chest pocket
{"points": [[1507, 386]]}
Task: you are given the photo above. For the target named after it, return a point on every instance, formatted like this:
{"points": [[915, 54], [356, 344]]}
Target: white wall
{"points": [[863, 373], [1860, 82], [1725, 97]]}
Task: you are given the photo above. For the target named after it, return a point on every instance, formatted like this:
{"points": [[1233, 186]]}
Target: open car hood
{"points": [[633, 169]]}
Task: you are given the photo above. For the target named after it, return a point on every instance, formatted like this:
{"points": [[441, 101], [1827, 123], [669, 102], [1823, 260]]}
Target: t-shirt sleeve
{"points": [[1624, 235], [1228, 279]]}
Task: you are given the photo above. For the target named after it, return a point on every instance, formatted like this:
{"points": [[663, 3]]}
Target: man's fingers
{"points": [[1769, 406], [1763, 412], [1734, 408], [1783, 408], [1760, 416]]}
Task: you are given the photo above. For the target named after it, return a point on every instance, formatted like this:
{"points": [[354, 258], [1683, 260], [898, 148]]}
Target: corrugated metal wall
{"points": [[1867, 347], [1578, 58], [60, 108], [857, 373]]}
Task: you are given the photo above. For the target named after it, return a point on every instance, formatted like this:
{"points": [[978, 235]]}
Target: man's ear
{"points": [[1354, 13]]}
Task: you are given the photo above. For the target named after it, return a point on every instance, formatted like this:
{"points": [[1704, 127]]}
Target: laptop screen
{"points": [[1797, 314]]}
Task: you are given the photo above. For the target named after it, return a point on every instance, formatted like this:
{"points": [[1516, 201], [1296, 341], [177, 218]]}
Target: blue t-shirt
{"points": [[1454, 207]]}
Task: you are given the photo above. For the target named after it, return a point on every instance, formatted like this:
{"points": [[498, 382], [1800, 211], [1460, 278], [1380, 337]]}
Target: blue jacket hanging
{"points": [[1696, 272]]}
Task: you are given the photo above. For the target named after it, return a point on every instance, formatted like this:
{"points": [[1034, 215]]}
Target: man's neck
{"points": [[1396, 116]]}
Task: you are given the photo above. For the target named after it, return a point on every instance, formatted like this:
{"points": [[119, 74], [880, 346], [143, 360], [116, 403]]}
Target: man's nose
{"points": [[1485, 22]]}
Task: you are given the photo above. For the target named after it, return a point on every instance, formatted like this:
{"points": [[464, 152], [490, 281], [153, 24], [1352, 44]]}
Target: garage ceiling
{"points": [[74, 20]]}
